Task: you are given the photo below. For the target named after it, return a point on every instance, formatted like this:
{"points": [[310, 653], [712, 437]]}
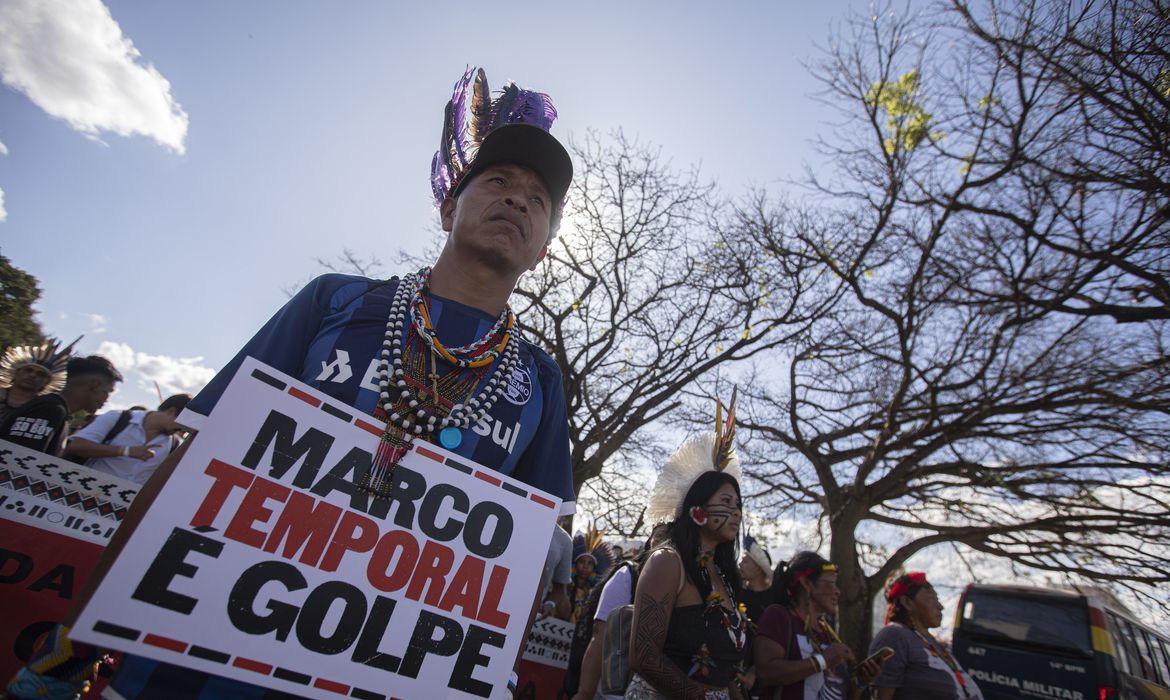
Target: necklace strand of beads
{"points": [[399, 405], [734, 621]]}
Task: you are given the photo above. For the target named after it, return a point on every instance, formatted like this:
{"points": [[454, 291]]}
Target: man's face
{"points": [[97, 391], [501, 217], [168, 425], [32, 378]]}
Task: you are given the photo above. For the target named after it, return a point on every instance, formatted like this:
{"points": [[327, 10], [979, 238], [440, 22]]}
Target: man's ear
{"points": [[447, 213]]}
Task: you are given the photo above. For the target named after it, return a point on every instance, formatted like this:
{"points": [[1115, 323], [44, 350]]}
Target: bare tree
{"points": [[645, 292], [972, 384], [1078, 110]]}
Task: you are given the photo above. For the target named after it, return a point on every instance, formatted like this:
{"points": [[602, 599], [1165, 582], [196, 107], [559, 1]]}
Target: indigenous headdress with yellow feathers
{"points": [[711, 452], [591, 545], [46, 355]]}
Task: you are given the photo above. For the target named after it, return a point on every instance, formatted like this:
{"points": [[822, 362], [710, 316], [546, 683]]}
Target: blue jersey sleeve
{"points": [[282, 343], [546, 463]]}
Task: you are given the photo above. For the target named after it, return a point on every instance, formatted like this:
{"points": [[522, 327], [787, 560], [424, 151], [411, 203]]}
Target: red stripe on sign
{"points": [[250, 665], [311, 400], [484, 476], [542, 501], [165, 643], [368, 427], [428, 453], [335, 687]]}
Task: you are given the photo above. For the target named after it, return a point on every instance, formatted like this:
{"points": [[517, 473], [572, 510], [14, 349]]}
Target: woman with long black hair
{"points": [[689, 637]]}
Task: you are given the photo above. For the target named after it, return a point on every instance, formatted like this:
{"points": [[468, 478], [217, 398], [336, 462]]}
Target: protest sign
{"points": [[55, 519], [545, 660], [261, 561], [549, 642]]}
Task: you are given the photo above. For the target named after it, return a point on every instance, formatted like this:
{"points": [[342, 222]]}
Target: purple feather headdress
{"points": [[471, 115]]}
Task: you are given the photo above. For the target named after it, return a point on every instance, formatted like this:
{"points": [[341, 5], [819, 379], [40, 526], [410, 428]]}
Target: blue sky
{"points": [[258, 136]]}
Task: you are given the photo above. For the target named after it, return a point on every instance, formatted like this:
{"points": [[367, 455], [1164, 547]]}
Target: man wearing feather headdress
{"points": [[27, 372], [42, 423], [437, 354]]}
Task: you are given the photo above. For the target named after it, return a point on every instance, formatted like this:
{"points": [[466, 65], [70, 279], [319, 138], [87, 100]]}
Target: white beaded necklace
{"points": [[419, 418]]}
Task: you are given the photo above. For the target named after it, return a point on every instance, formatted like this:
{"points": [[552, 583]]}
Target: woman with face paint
{"points": [[690, 636], [922, 667], [797, 653]]}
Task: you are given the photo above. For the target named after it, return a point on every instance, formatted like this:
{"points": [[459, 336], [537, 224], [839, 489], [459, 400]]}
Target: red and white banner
{"points": [[261, 561], [545, 660], [55, 519]]}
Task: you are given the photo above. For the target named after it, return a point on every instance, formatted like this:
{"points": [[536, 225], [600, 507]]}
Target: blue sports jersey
{"points": [[329, 337]]}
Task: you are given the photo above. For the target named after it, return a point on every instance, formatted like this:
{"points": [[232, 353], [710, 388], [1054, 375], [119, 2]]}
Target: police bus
{"points": [[1022, 642]]}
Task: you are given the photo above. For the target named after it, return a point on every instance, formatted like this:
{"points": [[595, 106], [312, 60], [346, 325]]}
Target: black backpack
{"points": [[583, 632], [119, 426]]}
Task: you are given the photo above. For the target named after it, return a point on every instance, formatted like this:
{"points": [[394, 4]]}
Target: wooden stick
{"points": [[829, 628]]}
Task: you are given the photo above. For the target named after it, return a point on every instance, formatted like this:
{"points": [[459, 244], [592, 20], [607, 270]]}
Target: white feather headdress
{"points": [[705, 453], [48, 355]]}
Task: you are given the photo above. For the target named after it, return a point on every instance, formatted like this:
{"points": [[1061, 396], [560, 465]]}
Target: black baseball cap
{"points": [[529, 146]]}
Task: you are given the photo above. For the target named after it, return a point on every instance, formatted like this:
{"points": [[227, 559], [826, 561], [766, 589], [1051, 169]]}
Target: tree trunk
{"points": [[854, 609]]}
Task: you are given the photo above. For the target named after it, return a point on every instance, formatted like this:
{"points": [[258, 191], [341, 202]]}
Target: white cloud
{"points": [[97, 323], [174, 375], [71, 59], [3, 149], [3, 211]]}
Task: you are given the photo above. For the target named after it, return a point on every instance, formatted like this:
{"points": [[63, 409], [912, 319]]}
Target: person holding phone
{"points": [[922, 667], [797, 653]]}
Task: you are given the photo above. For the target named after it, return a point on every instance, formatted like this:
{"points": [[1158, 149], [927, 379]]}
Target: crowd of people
{"points": [[51, 403], [706, 627], [685, 617]]}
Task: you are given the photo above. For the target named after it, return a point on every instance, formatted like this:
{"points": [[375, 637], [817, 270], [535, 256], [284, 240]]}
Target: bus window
{"points": [[1164, 647], [1123, 648], [1161, 673], [1055, 623], [1144, 668]]}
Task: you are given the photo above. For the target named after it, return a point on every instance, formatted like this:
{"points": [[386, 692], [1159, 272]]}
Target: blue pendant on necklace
{"points": [[450, 437]]}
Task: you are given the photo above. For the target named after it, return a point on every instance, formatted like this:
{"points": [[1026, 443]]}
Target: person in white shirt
{"points": [[130, 444]]}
